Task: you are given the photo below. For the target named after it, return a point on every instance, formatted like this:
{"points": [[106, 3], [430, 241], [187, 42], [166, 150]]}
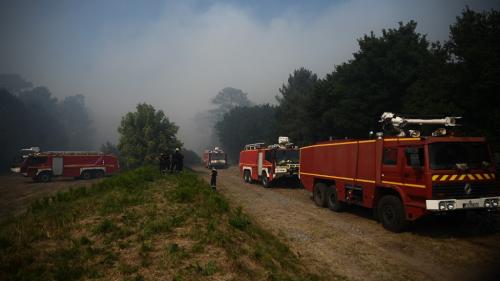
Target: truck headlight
{"points": [[494, 202], [487, 203], [450, 205], [442, 206]]}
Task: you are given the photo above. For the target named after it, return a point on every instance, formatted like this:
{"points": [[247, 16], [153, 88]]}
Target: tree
{"points": [[243, 125], [144, 134], [291, 114], [77, 122], [474, 51], [350, 100], [227, 99]]}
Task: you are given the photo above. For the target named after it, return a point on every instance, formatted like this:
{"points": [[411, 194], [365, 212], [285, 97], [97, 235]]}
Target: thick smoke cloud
{"points": [[178, 59]]}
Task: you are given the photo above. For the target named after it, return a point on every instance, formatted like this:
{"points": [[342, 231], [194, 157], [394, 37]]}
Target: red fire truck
{"points": [[216, 158], [404, 177], [42, 166], [265, 164]]}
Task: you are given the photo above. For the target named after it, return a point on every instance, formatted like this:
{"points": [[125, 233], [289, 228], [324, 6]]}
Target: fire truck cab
{"points": [[216, 158], [403, 178], [266, 164], [43, 166]]}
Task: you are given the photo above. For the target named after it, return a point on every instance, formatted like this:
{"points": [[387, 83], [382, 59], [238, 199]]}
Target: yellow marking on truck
{"points": [[329, 144], [479, 176], [403, 139], [453, 177], [487, 176], [471, 177], [367, 141], [444, 177], [367, 181], [404, 184], [493, 176], [339, 178], [325, 176], [462, 177], [435, 177]]}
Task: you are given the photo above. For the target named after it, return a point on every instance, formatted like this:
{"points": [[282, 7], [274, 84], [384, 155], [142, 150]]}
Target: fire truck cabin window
{"points": [[287, 156], [218, 156], [390, 156], [414, 156], [38, 160]]}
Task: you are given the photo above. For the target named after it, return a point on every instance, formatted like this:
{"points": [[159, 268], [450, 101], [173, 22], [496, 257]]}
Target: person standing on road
{"points": [[213, 179]]}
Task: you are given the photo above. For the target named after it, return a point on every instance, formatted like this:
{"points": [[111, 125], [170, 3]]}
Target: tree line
{"points": [[31, 116], [398, 71]]}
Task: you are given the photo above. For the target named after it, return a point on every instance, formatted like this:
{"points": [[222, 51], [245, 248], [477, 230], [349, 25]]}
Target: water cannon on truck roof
{"points": [[400, 124]]}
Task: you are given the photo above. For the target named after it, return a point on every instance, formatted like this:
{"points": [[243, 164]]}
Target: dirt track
{"points": [[353, 245], [17, 192]]}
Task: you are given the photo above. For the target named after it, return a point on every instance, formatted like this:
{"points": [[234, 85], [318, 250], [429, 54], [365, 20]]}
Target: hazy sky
{"points": [[176, 55]]}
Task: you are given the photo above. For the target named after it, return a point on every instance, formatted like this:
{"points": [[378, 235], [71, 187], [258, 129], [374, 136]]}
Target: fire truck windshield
{"points": [[217, 156], [287, 156], [34, 160], [446, 155]]}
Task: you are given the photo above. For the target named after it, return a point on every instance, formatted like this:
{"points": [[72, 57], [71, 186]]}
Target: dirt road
{"points": [[353, 245], [17, 192]]}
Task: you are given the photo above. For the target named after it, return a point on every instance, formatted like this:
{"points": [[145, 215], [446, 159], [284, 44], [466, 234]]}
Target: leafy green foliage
{"points": [[144, 134], [31, 116], [291, 114]]}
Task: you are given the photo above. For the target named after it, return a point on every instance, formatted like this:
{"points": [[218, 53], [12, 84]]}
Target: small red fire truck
{"points": [[403, 177], [215, 158], [42, 166], [265, 164]]}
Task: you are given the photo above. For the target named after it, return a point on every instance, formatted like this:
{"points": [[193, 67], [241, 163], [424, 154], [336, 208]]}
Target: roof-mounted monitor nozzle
{"points": [[399, 123]]}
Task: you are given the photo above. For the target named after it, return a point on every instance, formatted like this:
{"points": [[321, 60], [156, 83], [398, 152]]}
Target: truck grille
{"points": [[458, 191]]}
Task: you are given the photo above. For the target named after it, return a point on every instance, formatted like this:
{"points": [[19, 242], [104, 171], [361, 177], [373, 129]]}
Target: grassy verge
{"points": [[142, 226]]}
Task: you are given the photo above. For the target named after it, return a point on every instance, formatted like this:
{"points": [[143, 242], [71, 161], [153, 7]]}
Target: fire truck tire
{"points": [[265, 180], [44, 177], [332, 200], [99, 174], [246, 176], [391, 213], [86, 175], [319, 194]]}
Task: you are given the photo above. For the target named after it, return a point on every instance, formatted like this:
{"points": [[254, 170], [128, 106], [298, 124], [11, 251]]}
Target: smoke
{"points": [[177, 56]]}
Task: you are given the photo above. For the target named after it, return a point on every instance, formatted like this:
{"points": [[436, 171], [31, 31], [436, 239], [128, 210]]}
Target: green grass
{"points": [[141, 225]]}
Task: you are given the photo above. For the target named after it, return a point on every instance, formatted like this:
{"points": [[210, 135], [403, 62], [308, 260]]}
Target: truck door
{"points": [[259, 163], [391, 164], [57, 166], [413, 166]]}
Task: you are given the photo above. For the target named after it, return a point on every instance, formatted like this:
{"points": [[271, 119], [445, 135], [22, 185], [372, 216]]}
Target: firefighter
{"points": [[163, 164], [213, 179], [177, 161]]}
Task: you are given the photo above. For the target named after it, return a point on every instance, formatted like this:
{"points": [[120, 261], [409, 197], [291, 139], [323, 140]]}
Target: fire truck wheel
{"points": [[391, 213], [44, 177], [319, 194], [246, 176], [98, 174], [332, 200], [265, 180], [86, 175]]}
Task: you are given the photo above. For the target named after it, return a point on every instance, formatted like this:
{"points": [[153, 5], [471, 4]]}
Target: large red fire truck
{"points": [[403, 177], [267, 163], [42, 166], [216, 158]]}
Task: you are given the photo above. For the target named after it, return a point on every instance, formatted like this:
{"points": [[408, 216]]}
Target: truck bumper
{"points": [[461, 204]]}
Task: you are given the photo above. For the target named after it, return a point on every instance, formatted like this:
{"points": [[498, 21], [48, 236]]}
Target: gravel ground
{"points": [[354, 245]]}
